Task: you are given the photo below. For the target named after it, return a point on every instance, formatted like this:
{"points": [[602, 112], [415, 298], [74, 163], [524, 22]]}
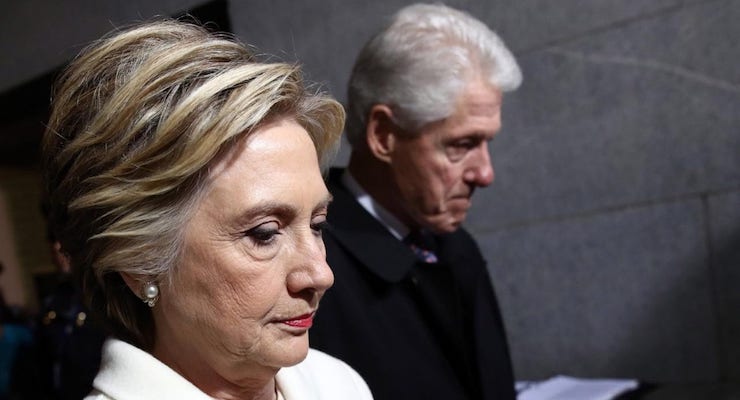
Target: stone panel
{"points": [[530, 24], [328, 48], [640, 114], [622, 294], [37, 36]]}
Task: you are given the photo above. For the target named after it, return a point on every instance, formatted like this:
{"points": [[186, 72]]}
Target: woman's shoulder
{"points": [[323, 375]]}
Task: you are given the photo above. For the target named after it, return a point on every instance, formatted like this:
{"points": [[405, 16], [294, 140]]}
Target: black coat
{"points": [[412, 330]]}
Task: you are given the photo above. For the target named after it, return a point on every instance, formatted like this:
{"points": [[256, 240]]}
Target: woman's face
{"points": [[253, 267]]}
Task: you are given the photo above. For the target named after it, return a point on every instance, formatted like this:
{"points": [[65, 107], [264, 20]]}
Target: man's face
{"points": [[437, 171]]}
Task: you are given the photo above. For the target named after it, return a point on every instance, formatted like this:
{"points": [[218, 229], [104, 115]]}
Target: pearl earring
{"points": [[150, 294]]}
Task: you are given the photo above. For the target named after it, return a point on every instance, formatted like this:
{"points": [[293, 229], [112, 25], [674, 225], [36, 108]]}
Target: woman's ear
{"points": [[147, 291], [381, 132], [132, 282]]}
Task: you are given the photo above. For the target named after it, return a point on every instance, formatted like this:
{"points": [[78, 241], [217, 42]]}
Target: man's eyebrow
{"points": [[477, 135], [324, 203]]}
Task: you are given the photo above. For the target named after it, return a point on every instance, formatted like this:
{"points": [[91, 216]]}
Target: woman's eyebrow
{"points": [[279, 209], [282, 210]]}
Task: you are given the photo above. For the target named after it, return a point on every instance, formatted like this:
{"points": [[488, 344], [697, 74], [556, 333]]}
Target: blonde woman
{"points": [[185, 187]]}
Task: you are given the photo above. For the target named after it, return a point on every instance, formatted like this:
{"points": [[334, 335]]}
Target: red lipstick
{"points": [[303, 321]]}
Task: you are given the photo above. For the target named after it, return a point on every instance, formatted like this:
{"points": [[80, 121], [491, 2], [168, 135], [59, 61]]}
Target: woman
{"points": [[185, 187]]}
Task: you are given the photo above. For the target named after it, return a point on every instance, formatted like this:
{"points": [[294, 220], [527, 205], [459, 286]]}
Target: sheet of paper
{"points": [[570, 388]]}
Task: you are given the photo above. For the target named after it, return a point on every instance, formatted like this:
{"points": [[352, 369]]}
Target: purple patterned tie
{"points": [[419, 245]]}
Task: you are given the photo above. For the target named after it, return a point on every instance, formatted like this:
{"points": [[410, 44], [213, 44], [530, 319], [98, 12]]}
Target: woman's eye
{"points": [[263, 234]]}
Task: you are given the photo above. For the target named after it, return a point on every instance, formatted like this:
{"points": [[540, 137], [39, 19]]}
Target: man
{"points": [[68, 344], [412, 307]]}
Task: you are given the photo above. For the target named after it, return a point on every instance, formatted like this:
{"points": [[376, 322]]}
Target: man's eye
{"points": [[457, 150], [468, 144], [318, 227], [264, 234]]}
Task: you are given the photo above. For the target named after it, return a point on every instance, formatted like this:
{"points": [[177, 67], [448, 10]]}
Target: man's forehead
{"points": [[477, 106], [480, 97]]}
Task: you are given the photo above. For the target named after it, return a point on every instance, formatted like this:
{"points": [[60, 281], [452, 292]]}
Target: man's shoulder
{"points": [[334, 177]]}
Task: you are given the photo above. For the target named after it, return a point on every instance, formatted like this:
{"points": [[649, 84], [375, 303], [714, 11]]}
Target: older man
{"points": [[412, 308]]}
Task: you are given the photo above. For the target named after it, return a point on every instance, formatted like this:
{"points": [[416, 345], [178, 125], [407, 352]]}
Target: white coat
{"points": [[129, 373]]}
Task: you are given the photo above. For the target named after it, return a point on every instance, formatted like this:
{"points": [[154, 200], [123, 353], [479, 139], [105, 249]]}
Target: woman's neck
{"points": [[251, 383]]}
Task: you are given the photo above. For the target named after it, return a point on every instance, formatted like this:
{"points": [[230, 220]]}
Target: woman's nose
{"points": [[312, 272]]}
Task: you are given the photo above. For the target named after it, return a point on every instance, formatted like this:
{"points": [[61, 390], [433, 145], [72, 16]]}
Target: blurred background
{"points": [[612, 230]]}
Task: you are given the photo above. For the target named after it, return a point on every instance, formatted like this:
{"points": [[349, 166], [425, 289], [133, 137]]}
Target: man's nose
{"points": [[479, 171]]}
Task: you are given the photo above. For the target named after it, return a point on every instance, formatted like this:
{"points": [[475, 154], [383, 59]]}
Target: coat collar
{"points": [[129, 373], [364, 236]]}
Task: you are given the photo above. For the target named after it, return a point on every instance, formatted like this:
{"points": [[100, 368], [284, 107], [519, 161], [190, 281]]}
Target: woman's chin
{"points": [[294, 351]]}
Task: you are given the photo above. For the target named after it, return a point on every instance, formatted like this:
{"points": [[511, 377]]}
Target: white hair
{"points": [[420, 63]]}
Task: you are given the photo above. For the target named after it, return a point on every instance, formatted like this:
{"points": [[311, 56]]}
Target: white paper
{"points": [[570, 388]]}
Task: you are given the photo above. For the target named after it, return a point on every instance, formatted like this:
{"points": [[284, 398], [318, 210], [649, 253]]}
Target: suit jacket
{"points": [[412, 330], [128, 373]]}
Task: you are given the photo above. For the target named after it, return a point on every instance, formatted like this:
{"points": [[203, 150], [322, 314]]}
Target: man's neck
{"points": [[376, 180]]}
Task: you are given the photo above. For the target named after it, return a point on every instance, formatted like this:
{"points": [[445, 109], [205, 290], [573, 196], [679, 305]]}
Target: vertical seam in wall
{"points": [[714, 288]]}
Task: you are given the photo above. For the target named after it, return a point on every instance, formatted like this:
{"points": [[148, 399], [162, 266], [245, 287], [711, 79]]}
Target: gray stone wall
{"points": [[613, 228], [612, 233], [39, 35]]}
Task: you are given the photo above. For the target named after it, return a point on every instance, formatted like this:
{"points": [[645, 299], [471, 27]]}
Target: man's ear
{"points": [[381, 132]]}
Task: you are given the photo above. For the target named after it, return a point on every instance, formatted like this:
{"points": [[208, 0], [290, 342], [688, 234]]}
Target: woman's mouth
{"points": [[303, 321]]}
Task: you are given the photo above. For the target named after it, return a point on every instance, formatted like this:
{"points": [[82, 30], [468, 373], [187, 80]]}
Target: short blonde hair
{"points": [[137, 120]]}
